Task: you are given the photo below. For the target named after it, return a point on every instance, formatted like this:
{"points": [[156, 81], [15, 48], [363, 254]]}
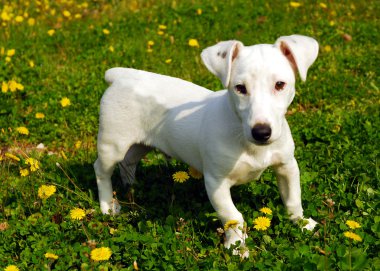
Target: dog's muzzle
{"points": [[261, 133]]}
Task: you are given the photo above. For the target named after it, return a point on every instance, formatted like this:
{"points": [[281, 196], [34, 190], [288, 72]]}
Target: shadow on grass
{"points": [[154, 195]]}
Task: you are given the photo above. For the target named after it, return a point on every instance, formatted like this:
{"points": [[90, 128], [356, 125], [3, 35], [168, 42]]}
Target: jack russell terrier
{"points": [[231, 136]]}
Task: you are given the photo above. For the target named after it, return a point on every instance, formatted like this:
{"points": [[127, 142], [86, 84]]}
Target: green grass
{"points": [[165, 225]]}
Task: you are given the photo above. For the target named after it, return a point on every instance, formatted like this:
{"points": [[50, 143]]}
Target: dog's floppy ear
{"points": [[218, 58], [301, 51]]}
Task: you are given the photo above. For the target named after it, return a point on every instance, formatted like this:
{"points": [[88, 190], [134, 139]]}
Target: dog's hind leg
{"points": [[130, 161], [108, 156]]}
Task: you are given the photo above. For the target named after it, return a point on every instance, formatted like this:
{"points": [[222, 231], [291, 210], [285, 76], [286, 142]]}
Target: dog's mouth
{"points": [[261, 143]]}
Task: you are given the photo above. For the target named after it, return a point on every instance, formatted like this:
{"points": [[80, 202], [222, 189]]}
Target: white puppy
{"points": [[231, 136]]}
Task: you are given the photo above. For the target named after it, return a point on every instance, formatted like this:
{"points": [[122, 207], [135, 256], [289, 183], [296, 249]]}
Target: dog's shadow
{"points": [[154, 195]]}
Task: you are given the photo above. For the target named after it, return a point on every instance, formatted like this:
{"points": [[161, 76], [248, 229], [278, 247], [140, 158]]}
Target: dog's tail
{"points": [[127, 173], [115, 73], [128, 165]]}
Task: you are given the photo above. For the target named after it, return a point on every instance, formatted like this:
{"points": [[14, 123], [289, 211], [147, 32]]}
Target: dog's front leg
{"points": [[220, 197], [288, 178]]}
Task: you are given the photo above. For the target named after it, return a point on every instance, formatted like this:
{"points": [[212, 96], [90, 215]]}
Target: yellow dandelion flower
{"points": [[193, 43], [31, 21], [12, 85], [65, 102], [106, 32], [160, 32], [5, 16], [78, 16], [12, 156], [323, 5], [327, 48], [195, 173], [51, 32], [11, 52], [19, 19], [149, 50], [24, 172], [77, 214], [22, 130], [19, 86], [8, 59], [78, 144], [111, 49], [66, 13], [33, 163], [261, 223], [101, 254], [168, 61], [199, 11], [180, 176], [266, 210], [162, 27], [40, 115], [4, 87], [31, 63], [295, 4], [352, 236], [231, 224], [11, 268], [112, 231], [150, 43], [46, 191], [52, 256], [352, 224]]}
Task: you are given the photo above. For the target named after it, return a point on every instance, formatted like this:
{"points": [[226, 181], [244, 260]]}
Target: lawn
{"points": [[53, 55]]}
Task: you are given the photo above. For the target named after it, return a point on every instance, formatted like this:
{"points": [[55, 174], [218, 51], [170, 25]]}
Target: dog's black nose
{"points": [[261, 132]]}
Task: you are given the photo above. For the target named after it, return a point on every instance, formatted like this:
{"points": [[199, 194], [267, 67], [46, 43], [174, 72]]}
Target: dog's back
{"points": [[164, 89], [142, 105]]}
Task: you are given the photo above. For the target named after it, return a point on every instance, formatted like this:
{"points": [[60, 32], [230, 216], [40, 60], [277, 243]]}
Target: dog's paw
{"points": [[112, 208], [309, 224], [241, 251], [115, 207], [235, 238], [238, 249]]}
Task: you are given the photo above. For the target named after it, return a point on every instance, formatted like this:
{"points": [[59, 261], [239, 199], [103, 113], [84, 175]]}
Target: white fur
{"points": [[210, 131]]}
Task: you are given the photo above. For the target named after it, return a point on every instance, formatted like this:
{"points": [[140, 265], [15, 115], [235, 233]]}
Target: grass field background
{"points": [[53, 55]]}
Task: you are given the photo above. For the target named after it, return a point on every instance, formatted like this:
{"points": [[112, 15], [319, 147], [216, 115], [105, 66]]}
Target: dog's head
{"points": [[261, 80]]}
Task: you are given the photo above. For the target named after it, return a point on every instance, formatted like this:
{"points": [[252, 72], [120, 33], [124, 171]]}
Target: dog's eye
{"points": [[241, 89], [280, 85]]}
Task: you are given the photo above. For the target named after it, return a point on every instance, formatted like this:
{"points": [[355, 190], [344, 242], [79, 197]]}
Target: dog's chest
{"points": [[250, 167]]}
